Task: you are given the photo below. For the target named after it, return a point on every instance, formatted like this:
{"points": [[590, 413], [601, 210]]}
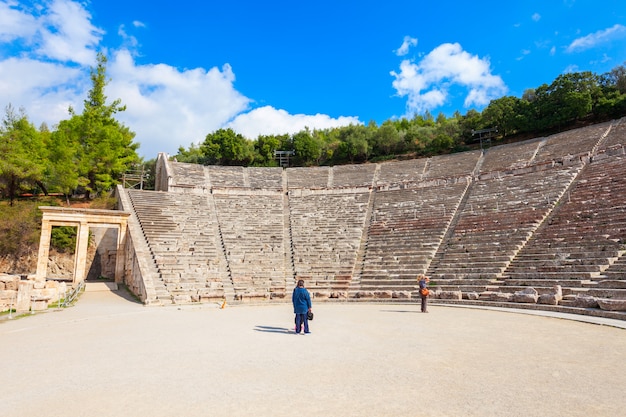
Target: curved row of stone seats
{"points": [[183, 237], [586, 235], [252, 228], [454, 165], [406, 228], [225, 176], [572, 142], [265, 178], [326, 232], [188, 175], [309, 178], [353, 175], [497, 219], [401, 172], [503, 158]]}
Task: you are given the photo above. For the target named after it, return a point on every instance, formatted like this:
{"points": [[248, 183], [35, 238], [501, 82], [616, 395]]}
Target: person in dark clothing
{"points": [[301, 300], [423, 280]]}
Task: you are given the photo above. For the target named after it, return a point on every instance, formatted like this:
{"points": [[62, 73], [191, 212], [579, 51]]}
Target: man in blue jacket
{"points": [[301, 300]]}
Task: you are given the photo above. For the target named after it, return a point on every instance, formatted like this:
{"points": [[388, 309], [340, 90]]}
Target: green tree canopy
{"points": [[225, 147], [101, 147], [23, 154]]}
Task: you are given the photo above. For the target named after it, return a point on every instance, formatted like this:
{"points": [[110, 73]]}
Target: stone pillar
{"points": [[120, 256], [44, 250], [82, 243], [24, 291]]}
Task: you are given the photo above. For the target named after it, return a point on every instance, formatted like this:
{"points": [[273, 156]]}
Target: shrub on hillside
{"points": [[20, 227]]}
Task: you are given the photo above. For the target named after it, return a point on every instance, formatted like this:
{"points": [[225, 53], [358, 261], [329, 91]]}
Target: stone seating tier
{"points": [[535, 220]]}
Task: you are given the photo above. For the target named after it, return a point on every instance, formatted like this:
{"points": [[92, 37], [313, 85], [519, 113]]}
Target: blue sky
{"points": [[187, 68]]}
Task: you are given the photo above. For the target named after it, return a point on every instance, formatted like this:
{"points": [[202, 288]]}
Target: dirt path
{"points": [[110, 356]]}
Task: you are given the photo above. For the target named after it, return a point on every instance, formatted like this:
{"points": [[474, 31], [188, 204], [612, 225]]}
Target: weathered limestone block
{"points": [[503, 296], [472, 295], [552, 299], [584, 301], [364, 294], [322, 295], [9, 282], [495, 296], [612, 304], [450, 295], [486, 295], [527, 295], [39, 285], [52, 284], [558, 291], [339, 295], [7, 299], [406, 295], [24, 291], [383, 294], [548, 299], [39, 304]]}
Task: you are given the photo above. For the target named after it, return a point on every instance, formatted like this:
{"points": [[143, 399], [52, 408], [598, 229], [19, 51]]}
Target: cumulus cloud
{"points": [[46, 89], [406, 44], [597, 38], [426, 83], [171, 107], [166, 107], [14, 23], [268, 120], [67, 33]]}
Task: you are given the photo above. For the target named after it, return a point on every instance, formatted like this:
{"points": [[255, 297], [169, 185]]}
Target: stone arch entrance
{"points": [[82, 219]]}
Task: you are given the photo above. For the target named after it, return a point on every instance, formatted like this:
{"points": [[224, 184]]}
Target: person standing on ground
{"points": [[301, 300], [423, 280]]}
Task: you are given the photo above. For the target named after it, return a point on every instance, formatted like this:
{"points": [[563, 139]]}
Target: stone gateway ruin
{"points": [[534, 224]]}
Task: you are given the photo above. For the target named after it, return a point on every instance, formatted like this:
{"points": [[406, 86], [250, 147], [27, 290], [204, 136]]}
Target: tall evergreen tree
{"points": [[101, 147], [22, 154]]}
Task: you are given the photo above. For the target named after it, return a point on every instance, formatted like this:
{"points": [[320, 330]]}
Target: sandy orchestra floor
{"points": [[110, 356]]}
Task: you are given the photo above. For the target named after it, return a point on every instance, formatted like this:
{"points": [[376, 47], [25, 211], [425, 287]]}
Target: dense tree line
{"points": [[87, 153], [571, 100]]}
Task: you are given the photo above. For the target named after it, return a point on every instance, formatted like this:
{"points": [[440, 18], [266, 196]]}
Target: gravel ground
{"points": [[110, 356]]}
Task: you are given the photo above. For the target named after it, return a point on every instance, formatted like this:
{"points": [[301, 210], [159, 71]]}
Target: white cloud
{"points": [[553, 50], [536, 17], [406, 44], [14, 23], [426, 83], [166, 107], [597, 38], [268, 120], [67, 33], [45, 90]]}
